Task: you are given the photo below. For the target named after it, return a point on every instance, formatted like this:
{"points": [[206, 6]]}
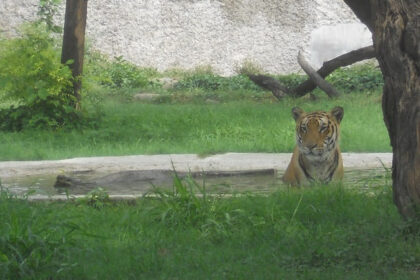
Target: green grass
{"points": [[196, 127], [316, 233]]}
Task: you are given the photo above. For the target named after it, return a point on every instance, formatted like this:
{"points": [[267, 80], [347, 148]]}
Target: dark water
{"points": [[141, 182]]}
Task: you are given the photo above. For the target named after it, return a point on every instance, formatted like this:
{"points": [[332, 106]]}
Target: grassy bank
{"points": [[198, 112], [197, 127], [317, 233]]}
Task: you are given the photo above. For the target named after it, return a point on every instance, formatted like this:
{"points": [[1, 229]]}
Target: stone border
{"points": [[220, 163], [229, 162]]}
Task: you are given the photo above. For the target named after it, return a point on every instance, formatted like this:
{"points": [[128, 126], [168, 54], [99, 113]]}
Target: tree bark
{"points": [[74, 42], [395, 25], [280, 91]]}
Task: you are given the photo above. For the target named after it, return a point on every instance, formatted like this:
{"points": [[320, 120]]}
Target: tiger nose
{"points": [[311, 147]]}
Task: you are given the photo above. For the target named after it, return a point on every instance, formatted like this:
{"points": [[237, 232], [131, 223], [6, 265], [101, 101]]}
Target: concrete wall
{"points": [[222, 33]]}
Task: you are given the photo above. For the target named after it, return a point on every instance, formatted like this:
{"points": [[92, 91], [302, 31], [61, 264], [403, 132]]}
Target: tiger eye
{"points": [[323, 128]]}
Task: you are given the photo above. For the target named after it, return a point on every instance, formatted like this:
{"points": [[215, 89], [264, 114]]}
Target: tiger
{"points": [[316, 157]]}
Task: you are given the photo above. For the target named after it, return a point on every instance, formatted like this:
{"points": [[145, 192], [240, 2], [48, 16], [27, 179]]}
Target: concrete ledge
{"points": [[181, 162], [112, 197]]}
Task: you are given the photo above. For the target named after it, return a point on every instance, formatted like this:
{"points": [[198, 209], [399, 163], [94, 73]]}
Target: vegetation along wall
{"points": [[221, 33]]}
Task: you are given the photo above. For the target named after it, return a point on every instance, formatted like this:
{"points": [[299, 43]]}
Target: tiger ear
{"points": [[297, 112], [338, 113]]}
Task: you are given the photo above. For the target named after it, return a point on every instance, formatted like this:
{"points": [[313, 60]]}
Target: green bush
{"points": [[33, 79], [359, 78], [365, 77], [46, 12], [118, 73], [291, 80], [211, 81]]}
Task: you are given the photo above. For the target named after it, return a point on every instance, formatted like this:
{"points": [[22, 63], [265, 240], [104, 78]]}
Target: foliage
{"points": [[316, 233], [97, 197], [117, 73], [358, 78], [46, 12], [291, 80], [210, 81], [34, 80], [48, 113]]}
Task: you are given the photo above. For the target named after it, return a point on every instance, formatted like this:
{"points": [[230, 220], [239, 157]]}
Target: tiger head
{"points": [[317, 132]]}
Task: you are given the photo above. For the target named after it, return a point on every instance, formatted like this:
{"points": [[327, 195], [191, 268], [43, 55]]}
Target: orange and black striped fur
{"points": [[316, 157]]}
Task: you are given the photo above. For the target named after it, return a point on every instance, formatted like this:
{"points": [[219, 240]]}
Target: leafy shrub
{"points": [[205, 81], [291, 80], [211, 81], [117, 74], [46, 12], [32, 77], [364, 77], [41, 113], [97, 198], [357, 78]]}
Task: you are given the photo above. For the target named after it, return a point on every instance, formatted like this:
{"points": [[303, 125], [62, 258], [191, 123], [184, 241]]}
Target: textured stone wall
{"points": [[187, 33]]}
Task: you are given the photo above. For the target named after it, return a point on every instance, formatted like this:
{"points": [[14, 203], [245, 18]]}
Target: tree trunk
{"points": [[395, 25], [74, 42]]}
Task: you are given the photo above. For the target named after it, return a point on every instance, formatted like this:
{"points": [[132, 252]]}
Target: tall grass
{"points": [[317, 233]]}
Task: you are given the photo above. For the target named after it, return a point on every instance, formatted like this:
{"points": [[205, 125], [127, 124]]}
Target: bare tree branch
{"points": [[271, 84], [318, 80], [279, 90], [330, 66]]}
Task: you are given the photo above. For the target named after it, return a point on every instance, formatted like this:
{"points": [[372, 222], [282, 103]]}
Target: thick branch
{"points": [[271, 84], [307, 86], [329, 66], [318, 80]]}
